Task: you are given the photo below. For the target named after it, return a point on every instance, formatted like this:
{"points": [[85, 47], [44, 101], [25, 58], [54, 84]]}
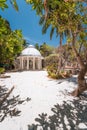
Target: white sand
{"points": [[44, 94]]}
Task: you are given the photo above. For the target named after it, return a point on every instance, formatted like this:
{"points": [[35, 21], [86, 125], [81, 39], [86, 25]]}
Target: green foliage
{"points": [[37, 46], [51, 64], [60, 75], [46, 50], [11, 42], [36, 5], [51, 59], [64, 17], [55, 76], [3, 4], [2, 70]]}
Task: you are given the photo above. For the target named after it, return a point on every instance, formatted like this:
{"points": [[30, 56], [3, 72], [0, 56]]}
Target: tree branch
{"points": [[80, 61], [46, 8]]}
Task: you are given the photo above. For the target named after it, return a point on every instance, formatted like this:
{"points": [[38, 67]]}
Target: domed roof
{"points": [[30, 51]]}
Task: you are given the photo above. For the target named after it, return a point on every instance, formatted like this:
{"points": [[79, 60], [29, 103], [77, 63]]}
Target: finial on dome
{"points": [[31, 46]]}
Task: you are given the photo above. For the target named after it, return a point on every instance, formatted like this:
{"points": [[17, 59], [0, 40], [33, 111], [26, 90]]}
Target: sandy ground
{"points": [[44, 93]]}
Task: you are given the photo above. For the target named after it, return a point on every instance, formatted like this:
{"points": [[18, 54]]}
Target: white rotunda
{"points": [[29, 59]]}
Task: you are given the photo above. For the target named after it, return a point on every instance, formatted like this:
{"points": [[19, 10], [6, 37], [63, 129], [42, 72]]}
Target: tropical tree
{"points": [[11, 42], [37, 46], [46, 49], [45, 25], [68, 16]]}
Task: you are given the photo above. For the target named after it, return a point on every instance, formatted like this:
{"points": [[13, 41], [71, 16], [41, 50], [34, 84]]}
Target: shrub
{"points": [[2, 70], [51, 59], [51, 64], [60, 75]]}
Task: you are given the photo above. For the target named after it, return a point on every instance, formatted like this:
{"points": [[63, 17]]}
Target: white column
{"points": [[39, 64], [33, 63], [27, 63]]}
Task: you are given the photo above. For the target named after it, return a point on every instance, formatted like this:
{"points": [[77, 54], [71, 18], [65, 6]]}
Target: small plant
{"points": [[60, 75], [2, 70]]}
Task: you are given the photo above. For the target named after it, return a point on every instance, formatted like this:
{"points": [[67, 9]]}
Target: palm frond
{"points": [[45, 27], [52, 32], [42, 19], [14, 4]]}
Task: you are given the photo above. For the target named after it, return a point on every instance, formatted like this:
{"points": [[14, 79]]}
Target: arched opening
{"points": [[36, 63], [30, 64], [25, 64]]}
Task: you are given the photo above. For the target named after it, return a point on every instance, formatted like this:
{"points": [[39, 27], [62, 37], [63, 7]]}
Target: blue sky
{"points": [[27, 21]]}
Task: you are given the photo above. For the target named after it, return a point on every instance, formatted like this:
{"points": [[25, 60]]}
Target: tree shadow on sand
{"points": [[67, 116], [71, 79], [8, 103]]}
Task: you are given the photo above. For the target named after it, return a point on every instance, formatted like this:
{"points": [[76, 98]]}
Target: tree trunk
{"points": [[60, 56], [82, 85]]}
